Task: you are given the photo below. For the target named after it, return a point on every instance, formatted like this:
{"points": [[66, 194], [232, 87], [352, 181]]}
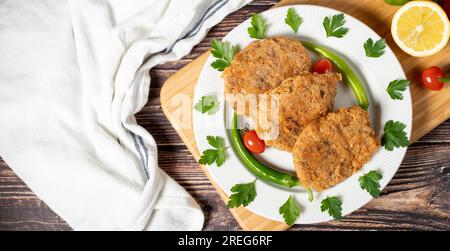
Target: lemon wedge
{"points": [[420, 28]]}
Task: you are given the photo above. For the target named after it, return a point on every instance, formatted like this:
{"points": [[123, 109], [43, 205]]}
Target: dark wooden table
{"points": [[418, 198]]}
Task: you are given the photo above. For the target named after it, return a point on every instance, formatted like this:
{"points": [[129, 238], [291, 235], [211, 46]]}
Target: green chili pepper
{"points": [[349, 75], [261, 171]]}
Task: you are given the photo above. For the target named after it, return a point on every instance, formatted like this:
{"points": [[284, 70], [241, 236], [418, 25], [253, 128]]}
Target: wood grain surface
{"points": [[416, 199], [430, 108]]}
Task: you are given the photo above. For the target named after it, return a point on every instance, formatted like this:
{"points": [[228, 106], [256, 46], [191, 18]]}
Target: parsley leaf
{"points": [[394, 136], [396, 88], [293, 19], [374, 50], [399, 2], [242, 195], [371, 183], [290, 211], [216, 155], [216, 142], [207, 104], [333, 206], [258, 28], [224, 54], [334, 27], [445, 79], [220, 64]]}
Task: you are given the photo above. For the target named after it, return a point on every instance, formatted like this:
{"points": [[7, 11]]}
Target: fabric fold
{"points": [[77, 72]]}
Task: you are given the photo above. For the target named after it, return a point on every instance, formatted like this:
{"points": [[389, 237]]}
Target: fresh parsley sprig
{"points": [[217, 155], [374, 50], [290, 211], [293, 19], [394, 135], [333, 206], [371, 183], [334, 27], [224, 54], [243, 194], [259, 27], [207, 104], [396, 87]]}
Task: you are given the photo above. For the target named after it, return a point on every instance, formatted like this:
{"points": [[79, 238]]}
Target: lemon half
{"points": [[420, 28]]}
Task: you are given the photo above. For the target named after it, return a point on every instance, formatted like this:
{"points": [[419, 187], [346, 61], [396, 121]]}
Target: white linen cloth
{"points": [[72, 76]]}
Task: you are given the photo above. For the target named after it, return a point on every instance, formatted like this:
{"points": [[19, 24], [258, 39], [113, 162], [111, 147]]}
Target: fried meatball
{"points": [[264, 64], [332, 148], [301, 99]]}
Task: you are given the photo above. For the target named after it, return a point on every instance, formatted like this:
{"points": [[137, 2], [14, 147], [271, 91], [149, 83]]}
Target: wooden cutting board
{"points": [[430, 108]]}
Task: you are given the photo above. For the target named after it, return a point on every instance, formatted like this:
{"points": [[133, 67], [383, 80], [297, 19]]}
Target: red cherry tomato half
{"points": [[322, 66], [430, 76], [253, 143]]}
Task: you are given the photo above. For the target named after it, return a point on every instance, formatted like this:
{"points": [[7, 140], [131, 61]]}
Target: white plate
{"points": [[376, 74]]}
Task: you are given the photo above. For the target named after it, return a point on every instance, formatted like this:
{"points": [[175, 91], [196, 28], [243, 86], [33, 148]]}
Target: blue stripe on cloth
{"points": [[209, 12], [141, 156], [141, 140]]}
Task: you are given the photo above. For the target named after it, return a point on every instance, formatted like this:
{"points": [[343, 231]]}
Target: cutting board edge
{"points": [[271, 225], [192, 147]]}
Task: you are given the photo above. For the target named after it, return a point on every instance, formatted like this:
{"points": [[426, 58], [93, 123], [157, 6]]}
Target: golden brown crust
{"points": [[264, 64], [332, 148], [302, 99]]}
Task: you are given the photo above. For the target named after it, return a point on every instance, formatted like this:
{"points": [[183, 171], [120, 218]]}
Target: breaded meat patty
{"points": [[264, 64], [332, 148], [301, 99]]}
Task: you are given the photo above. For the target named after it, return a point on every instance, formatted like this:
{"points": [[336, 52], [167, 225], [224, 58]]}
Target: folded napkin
{"points": [[72, 76]]}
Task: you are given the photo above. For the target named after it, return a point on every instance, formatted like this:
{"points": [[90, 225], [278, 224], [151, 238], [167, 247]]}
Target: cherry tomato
{"points": [[322, 66], [430, 76], [253, 143]]}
